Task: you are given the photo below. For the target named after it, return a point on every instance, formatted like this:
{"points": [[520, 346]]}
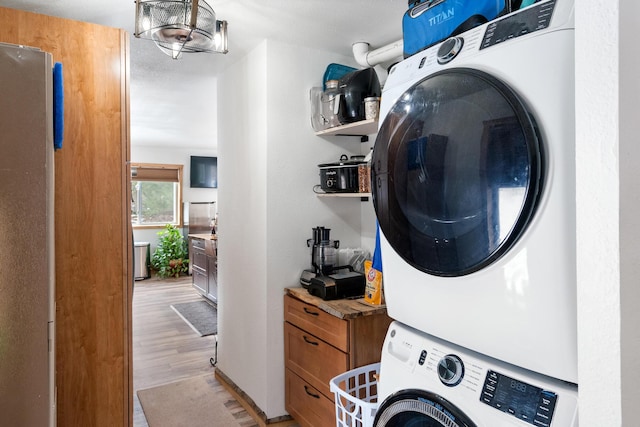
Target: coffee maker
{"points": [[326, 279], [323, 255]]}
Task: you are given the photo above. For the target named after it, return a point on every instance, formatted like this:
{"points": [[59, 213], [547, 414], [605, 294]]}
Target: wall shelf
{"points": [[362, 128], [362, 196]]}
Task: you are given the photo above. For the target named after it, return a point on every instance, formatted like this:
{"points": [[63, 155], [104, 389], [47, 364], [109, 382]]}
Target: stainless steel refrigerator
{"points": [[201, 216], [27, 310]]}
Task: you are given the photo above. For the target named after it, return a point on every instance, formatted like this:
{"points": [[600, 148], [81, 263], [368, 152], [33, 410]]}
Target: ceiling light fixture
{"points": [[181, 26]]}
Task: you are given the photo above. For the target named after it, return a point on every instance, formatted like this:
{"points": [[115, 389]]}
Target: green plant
{"points": [[170, 257]]}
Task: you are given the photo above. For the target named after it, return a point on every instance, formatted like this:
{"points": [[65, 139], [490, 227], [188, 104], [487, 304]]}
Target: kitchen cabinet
{"points": [[323, 339], [204, 265]]}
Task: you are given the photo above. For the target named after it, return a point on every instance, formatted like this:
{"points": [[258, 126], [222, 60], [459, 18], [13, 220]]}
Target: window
{"points": [[156, 195]]}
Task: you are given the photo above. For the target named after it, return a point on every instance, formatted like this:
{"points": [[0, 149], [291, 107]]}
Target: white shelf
{"points": [[361, 128], [345, 195]]}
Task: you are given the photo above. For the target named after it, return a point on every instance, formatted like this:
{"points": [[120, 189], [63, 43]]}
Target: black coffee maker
{"points": [[326, 279]]}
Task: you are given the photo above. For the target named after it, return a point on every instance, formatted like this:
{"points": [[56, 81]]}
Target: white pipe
{"points": [[367, 58]]}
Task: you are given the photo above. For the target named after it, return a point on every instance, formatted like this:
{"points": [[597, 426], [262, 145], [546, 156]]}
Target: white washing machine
{"points": [[428, 382], [474, 190]]}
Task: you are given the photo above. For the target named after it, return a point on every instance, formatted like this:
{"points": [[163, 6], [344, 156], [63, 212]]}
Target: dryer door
{"points": [[418, 408], [457, 172]]}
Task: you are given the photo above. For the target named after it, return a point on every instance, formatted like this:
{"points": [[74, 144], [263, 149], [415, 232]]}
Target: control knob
{"points": [[449, 49], [450, 370]]}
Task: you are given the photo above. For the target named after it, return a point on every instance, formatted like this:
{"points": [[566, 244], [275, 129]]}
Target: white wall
{"points": [[629, 230], [177, 155], [608, 205], [271, 156], [242, 221]]}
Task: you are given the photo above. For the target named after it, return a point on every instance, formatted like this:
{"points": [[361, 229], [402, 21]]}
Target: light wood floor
{"points": [[165, 348]]}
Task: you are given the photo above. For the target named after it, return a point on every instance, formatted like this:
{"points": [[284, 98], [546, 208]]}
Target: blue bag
{"points": [[428, 22], [376, 261]]}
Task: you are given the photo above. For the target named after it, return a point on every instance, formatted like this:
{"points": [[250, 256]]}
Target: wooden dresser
{"points": [[323, 339]]}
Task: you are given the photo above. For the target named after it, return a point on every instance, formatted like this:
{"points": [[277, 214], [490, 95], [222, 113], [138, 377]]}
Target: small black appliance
{"points": [[344, 282], [341, 176], [326, 279], [354, 87], [323, 255]]}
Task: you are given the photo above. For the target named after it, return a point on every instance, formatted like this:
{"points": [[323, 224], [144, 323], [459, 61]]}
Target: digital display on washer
{"points": [[532, 19], [524, 401]]}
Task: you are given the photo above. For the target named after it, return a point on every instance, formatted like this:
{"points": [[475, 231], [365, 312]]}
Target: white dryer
{"points": [[474, 190], [428, 382]]}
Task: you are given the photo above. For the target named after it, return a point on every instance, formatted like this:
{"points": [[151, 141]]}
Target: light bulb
{"points": [[175, 50], [146, 23]]}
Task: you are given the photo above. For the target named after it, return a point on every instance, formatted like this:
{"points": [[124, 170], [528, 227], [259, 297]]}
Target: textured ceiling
{"points": [[164, 92]]}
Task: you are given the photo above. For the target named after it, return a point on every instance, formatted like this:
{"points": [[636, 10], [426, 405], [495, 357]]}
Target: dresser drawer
{"points": [[313, 359], [200, 281], [199, 259], [198, 243], [317, 322], [308, 406]]}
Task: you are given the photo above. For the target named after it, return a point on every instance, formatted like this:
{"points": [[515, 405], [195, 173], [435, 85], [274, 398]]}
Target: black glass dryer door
{"points": [[419, 408], [457, 172]]}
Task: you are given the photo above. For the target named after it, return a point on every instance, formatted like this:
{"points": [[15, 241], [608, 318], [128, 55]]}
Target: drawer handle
{"points": [[313, 313], [306, 390], [308, 341]]}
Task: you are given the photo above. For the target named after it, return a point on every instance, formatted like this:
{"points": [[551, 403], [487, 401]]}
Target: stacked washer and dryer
{"points": [[474, 190]]}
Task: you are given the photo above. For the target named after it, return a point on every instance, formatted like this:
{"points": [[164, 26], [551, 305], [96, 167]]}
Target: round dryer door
{"points": [[418, 408], [457, 172]]}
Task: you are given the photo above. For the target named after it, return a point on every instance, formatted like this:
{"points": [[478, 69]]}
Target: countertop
{"points": [[206, 236], [341, 308]]}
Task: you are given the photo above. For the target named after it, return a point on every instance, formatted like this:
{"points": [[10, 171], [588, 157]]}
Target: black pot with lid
{"points": [[341, 176]]}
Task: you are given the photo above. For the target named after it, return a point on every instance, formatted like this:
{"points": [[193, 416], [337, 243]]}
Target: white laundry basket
{"points": [[356, 396]]}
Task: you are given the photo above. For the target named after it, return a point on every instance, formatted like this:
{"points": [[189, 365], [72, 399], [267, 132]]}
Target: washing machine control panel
{"points": [[532, 19], [526, 402]]}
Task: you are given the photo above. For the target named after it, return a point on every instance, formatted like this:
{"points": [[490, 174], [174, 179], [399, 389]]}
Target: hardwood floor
{"points": [[165, 348]]}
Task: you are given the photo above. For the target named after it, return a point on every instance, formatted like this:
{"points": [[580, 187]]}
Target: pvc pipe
{"points": [[367, 58]]}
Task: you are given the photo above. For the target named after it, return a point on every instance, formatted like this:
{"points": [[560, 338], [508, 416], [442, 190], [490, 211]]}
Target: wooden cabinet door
{"points": [[93, 235]]}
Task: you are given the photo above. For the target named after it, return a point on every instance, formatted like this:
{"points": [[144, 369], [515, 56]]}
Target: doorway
{"points": [[165, 348]]}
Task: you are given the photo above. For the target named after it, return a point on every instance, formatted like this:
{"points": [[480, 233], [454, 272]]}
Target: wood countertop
{"points": [[340, 308], [206, 236]]}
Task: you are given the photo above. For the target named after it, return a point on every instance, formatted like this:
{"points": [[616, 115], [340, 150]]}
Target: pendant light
{"points": [[181, 26]]}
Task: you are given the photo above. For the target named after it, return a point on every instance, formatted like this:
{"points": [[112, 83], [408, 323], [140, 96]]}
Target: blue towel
{"points": [[58, 106]]}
